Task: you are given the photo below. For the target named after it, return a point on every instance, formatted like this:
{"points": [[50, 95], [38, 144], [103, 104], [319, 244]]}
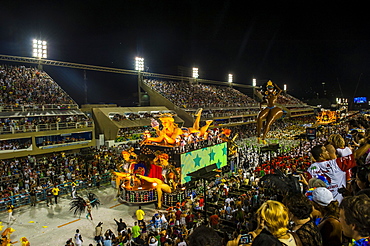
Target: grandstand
{"points": [[225, 105], [37, 116]]}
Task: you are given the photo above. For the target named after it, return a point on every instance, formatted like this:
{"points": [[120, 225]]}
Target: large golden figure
{"points": [[270, 113], [160, 187], [170, 131]]}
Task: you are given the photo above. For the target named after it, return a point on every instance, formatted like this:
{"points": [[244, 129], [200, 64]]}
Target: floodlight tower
{"points": [[230, 79], [285, 88], [39, 50], [195, 74], [254, 84], [139, 66]]}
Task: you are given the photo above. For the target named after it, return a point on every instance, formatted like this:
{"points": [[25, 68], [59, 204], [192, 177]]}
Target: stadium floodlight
{"points": [[230, 78], [284, 87], [195, 72], [39, 48], [139, 63], [254, 82]]}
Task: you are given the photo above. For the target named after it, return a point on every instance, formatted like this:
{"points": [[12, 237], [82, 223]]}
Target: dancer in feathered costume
{"points": [[78, 205]]}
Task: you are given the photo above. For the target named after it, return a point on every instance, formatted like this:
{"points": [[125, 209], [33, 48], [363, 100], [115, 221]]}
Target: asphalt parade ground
{"points": [[55, 224]]}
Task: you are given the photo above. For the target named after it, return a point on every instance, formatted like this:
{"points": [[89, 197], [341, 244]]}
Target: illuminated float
{"points": [[327, 117], [159, 171]]}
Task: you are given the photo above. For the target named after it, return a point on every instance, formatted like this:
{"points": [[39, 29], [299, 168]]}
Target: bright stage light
{"points": [[195, 72], [39, 48], [230, 78], [139, 63]]}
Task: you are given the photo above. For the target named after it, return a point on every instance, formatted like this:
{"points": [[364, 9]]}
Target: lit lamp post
{"points": [[39, 50], [285, 88], [139, 66]]}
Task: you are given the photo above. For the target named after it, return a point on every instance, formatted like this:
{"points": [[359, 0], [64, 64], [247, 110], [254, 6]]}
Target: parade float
{"points": [[327, 117], [158, 171]]}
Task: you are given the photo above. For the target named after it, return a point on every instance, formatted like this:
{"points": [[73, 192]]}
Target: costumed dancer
{"points": [[270, 113], [78, 205], [5, 237], [25, 241], [10, 213]]}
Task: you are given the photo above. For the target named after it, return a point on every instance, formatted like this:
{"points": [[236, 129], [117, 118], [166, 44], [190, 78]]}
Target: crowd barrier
{"points": [[46, 127], [64, 189]]}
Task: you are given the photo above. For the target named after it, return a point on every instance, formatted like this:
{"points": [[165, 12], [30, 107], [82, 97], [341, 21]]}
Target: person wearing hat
{"points": [[152, 241], [329, 226]]}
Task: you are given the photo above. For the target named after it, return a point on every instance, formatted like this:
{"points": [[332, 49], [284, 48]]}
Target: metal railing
{"points": [[45, 127], [64, 189], [36, 107]]}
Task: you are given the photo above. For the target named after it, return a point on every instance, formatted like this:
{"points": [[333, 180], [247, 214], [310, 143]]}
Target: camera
{"points": [[245, 238]]}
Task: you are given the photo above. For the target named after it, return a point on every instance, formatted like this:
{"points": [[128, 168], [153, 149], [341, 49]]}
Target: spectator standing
{"points": [[121, 226], [214, 220], [152, 241], [33, 197], [329, 225], [355, 220], [140, 214], [300, 209], [182, 242], [107, 241], [189, 219], [334, 169], [135, 231], [178, 216], [55, 192], [99, 233], [273, 219], [78, 238], [49, 197]]}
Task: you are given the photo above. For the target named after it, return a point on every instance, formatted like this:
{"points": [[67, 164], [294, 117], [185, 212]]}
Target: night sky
{"points": [[301, 44]]}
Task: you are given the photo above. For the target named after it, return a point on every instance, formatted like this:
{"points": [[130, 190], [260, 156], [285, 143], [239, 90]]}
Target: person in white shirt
{"points": [[334, 169]]}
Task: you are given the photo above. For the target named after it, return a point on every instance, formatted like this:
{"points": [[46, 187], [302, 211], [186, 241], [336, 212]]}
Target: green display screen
{"points": [[197, 159]]}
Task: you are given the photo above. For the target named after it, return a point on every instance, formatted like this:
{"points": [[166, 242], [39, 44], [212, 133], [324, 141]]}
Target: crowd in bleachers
{"points": [[211, 113], [186, 95], [28, 86], [15, 144], [42, 123]]}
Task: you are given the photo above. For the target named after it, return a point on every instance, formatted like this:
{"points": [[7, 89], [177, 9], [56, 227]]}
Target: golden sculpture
{"points": [[160, 187], [270, 113], [170, 134]]}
